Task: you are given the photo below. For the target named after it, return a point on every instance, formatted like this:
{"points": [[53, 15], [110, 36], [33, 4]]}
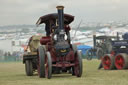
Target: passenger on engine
{"points": [[125, 36], [67, 28]]}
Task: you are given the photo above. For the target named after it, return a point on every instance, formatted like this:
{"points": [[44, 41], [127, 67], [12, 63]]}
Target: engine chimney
{"points": [[60, 16]]}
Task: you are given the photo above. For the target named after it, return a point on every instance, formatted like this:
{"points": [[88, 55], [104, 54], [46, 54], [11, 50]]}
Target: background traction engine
{"points": [[56, 54], [118, 58], [101, 45], [112, 50]]}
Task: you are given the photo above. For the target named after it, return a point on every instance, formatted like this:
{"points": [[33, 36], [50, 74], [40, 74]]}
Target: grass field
{"points": [[12, 73]]}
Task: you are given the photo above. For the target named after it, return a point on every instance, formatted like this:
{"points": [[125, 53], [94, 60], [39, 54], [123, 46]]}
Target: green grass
{"points": [[13, 73]]}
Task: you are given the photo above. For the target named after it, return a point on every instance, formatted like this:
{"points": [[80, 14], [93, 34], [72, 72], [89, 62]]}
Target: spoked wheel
{"points": [[108, 62], [48, 66], [28, 67], [78, 64], [121, 61], [89, 54], [41, 62], [99, 53]]}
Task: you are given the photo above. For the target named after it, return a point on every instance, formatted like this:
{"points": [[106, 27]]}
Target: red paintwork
{"points": [[68, 57], [112, 53], [119, 62], [62, 61], [63, 64], [45, 40], [106, 62]]}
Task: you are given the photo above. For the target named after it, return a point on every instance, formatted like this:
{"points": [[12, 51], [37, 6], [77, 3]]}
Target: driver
{"points": [[48, 26]]}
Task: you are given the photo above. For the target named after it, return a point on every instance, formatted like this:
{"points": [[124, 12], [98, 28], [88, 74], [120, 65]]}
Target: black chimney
{"points": [[60, 16]]}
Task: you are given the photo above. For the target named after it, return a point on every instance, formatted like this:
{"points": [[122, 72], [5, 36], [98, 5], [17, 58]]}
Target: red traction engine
{"points": [[56, 54]]}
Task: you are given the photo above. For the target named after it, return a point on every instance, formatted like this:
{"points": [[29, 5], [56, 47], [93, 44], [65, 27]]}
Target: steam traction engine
{"points": [[112, 50], [101, 45], [56, 54], [118, 57]]}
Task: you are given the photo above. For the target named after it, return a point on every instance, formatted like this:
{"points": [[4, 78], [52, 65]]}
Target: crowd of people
{"points": [[8, 56]]}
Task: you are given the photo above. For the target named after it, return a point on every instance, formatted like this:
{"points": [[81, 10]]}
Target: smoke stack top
{"points": [[60, 7]]}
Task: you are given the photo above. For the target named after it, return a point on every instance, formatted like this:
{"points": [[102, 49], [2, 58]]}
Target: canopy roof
{"points": [[43, 19]]}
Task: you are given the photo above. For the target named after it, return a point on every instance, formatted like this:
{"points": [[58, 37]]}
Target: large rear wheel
{"points": [[108, 62], [121, 61], [74, 47], [41, 62], [28, 67], [78, 64]]}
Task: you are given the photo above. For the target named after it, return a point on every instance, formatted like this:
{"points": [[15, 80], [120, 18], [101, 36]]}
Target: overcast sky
{"points": [[14, 12]]}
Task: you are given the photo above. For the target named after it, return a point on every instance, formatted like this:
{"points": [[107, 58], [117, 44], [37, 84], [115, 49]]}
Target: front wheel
{"points": [[48, 66], [78, 64], [28, 67]]}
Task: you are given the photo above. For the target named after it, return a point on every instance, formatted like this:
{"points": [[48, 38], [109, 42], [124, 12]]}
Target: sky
{"points": [[18, 12]]}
